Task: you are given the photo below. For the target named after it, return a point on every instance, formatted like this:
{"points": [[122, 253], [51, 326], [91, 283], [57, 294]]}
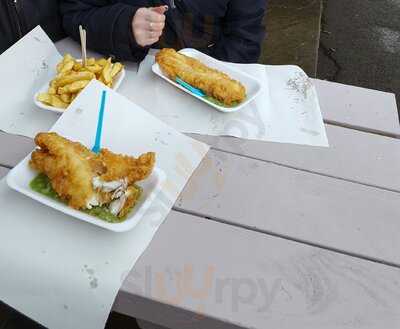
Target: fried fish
{"points": [[212, 82]]}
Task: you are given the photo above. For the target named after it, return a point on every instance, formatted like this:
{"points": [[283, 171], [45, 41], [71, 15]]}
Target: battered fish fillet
{"points": [[70, 167], [85, 179], [125, 167], [212, 82]]}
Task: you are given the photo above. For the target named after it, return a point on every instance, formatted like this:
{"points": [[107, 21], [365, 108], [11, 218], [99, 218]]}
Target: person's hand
{"points": [[148, 25]]}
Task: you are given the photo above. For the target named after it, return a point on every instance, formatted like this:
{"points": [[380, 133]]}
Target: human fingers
{"points": [[150, 26], [154, 16], [147, 26], [160, 10]]}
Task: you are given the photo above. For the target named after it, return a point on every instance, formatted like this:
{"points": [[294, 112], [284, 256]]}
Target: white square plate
{"points": [[253, 86], [117, 82], [20, 177]]}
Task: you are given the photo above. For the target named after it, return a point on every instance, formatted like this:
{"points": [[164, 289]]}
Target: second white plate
{"points": [[253, 86]]}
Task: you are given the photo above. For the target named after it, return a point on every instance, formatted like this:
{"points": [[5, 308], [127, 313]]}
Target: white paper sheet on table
{"points": [[65, 273], [25, 68], [287, 110]]}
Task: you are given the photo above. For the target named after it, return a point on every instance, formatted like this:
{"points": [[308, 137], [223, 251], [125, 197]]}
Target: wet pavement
{"points": [[360, 44], [293, 33]]}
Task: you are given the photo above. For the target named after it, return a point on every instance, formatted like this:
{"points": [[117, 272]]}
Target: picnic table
{"points": [[270, 235]]}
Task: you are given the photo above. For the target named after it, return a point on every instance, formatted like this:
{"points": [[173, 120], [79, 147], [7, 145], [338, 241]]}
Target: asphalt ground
{"points": [[360, 44], [292, 34]]}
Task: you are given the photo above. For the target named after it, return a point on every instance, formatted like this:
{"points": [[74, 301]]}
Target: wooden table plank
{"points": [[242, 279], [308, 207], [3, 171], [359, 108], [352, 155], [13, 148]]}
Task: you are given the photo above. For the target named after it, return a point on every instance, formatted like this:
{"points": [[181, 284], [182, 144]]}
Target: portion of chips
{"points": [[73, 76]]}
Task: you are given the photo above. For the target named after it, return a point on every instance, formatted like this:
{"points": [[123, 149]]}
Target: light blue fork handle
{"points": [[192, 89], [97, 145]]}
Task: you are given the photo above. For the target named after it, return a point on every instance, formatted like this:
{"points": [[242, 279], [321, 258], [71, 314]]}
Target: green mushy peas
{"points": [[41, 184], [217, 102]]}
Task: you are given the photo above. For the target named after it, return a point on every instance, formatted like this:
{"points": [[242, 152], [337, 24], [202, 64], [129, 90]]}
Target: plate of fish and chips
{"points": [[106, 189], [72, 77], [207, 79]]}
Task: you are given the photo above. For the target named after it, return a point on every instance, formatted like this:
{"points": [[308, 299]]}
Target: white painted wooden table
{"points": [[278, 236]]}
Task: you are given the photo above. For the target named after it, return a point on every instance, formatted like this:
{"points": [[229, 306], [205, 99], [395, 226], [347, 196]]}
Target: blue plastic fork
{"points": [[97, 145], [192, 89]]}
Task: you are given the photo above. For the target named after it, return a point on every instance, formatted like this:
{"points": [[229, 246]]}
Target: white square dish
{"points": [[117, 82], [253, 86], [20, 177]]}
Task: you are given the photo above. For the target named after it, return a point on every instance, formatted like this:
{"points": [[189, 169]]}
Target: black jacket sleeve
{"points": [[18, 18], [243, 32], [108, 27]]}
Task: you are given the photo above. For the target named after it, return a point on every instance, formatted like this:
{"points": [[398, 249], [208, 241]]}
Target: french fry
{"points": [[52, 90], [116, 68], [96, 68], [44, 97], [59, 76], [78, 66], [66, 64], [90, 61], [52, 100], [106, 74], [102, 62], [100, 78], [74, 76], [57, 102], [66, 98], [68, 58], [73, 87], [61, 64]]}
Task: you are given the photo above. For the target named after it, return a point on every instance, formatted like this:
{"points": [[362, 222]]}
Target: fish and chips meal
{"points": [[103, 184], [216, 85], [73, 76]]}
